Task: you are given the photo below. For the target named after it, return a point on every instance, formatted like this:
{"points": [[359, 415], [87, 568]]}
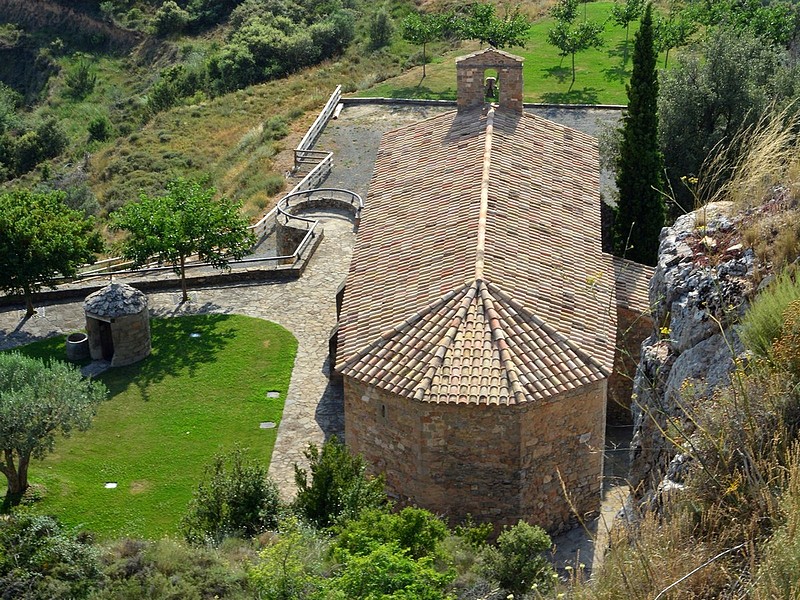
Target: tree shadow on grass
{"points": [[560, 73], [617, 73], [582, 96], [619, 51], [180, 346]]}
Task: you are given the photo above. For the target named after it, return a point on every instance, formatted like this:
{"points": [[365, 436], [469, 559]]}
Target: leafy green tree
{"points": [[640, 211], [38, 401], [41, 239], [414, 530], [480, 22], [571, 38], [40, 560], [389, 572], [187, 220], [235, 498], [338, 488], [170, 18], [775, 21], [671, 32], [623, 15], [707, 98], [422, 29], [21, 153], [517, 561]]}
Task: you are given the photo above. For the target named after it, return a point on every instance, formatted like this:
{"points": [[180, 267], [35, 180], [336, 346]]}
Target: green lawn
{"points": [[165, 419], [601, 74]]}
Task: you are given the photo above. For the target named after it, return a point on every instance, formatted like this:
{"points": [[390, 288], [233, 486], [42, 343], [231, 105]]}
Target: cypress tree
{"points": [[640, 212]]}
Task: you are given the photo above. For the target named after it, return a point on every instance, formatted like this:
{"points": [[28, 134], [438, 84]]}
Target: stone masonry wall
{"points": [[131, 336], [632, 329], [496, 463], [567, 437], [470, 81], [287, 239]]}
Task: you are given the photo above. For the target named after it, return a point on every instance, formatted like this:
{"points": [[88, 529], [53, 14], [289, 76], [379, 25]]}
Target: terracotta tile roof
{"points": [[632, 282], [477, 274]]}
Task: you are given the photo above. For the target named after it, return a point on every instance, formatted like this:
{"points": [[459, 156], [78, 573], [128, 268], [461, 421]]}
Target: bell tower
{"points": [[470, 74]]}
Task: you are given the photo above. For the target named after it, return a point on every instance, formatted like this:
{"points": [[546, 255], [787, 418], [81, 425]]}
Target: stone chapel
{"points": [[481, 320]]}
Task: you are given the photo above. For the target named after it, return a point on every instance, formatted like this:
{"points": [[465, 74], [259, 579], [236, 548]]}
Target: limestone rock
{"points": [[696, 303]]}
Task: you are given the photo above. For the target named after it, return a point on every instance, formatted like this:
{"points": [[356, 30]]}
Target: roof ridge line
{"points": [[446, 341], [403, 326], [480, 251], [503, 349]]}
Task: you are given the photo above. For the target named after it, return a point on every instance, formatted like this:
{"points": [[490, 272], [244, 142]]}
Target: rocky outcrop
{"points": [[700, 289]]}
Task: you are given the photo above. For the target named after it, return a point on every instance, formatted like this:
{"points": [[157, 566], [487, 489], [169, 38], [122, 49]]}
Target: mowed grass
{"points": [[166, 418], [601, 74]]}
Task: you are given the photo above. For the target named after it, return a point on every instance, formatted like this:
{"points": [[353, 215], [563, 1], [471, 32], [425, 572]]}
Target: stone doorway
{"points": [[106, 340]]}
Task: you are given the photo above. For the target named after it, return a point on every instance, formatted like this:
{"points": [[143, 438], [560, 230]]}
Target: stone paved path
{"points": [[306, 307]]}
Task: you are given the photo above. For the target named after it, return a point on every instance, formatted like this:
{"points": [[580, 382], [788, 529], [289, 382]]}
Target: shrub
{"points": [[291, 566], [413, 530], [517, 561], [235, 498], [40, 560], [381, 29], [170, 18], [21, 154], [275, 128], [174, 84], [786, 348], [80, 81], [100, 128], [388, 572], [166, 569], [339, 488], [274, 184]]}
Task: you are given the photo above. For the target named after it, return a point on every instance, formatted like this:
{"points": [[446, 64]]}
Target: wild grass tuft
{"points": [[758, 159], [763, 323]]}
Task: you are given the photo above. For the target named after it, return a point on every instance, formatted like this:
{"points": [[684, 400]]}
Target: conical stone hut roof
{"points": [[115, 300]]}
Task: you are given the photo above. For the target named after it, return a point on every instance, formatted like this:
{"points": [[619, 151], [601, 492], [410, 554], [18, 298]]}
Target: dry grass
{"points": [[651, 555], [761, 157], [760, 171]]}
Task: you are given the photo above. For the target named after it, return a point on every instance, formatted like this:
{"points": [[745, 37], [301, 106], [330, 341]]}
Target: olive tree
{"points": [[624, 14], [185, 221], [710, 96], [42, 239], [480, 22], [38, 401]]}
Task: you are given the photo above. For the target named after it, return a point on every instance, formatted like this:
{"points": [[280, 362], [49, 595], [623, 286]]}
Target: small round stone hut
{"points": [[118, 324]]}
